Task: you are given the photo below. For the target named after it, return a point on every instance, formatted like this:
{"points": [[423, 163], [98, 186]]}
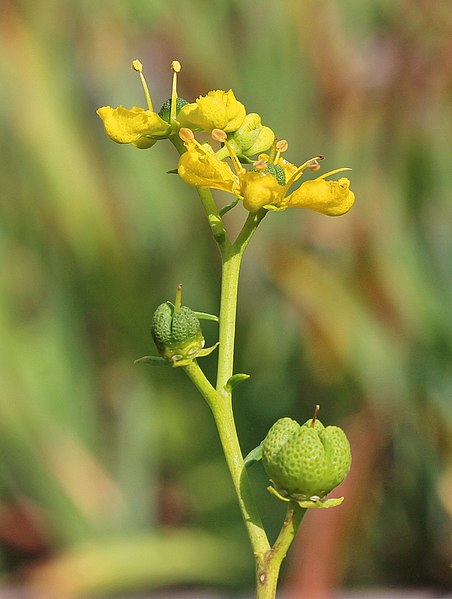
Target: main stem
{"points": [[231, 255], [268, 559], [231, 261]]}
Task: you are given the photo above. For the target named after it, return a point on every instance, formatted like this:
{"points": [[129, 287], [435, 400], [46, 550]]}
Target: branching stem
{"points": [[219, 398]]}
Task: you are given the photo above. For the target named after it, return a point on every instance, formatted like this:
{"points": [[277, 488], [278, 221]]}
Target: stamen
{"points": [[337, 170], [220, 135], [313, 165], [138, 67], [176, 67], [186, 135], [272, 152], [297, 174], [260, 165], [280, 146]]}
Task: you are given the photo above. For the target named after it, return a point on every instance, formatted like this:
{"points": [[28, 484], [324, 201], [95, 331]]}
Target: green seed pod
{"points": [[305, 461], [165, 110], [176, 331], [277, 171], [177, 334]]}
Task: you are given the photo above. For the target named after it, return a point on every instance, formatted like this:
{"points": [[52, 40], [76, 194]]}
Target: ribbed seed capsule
{"points": [[177, 334], [305, 461]]}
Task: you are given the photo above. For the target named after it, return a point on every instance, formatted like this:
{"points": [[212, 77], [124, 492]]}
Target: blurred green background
{"points": [[111, 475]]}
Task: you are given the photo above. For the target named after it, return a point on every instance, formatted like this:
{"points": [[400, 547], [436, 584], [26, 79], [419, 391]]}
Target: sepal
{"points": [[312, 502], [152, 361]]}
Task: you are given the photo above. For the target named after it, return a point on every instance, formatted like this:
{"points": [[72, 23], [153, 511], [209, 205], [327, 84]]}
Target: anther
{"points": [[281, 145], [186, 134], [219, 135], [175, 65], [260, 165], [137, 66], [313, 165]]}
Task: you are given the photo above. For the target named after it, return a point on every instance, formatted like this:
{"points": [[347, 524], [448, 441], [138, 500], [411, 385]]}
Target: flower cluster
{"points": [[258, 175]]}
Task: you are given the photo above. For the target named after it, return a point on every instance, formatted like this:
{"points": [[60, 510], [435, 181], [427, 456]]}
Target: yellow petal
{"points": [[328, 197], [259, 189], [217, 110], [288, 168], [126, 126], [198, 166]]}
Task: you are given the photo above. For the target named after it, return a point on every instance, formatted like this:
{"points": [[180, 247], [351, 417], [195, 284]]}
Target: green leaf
{"points": [[152, 361], [235, 380], [254, 456], [172, 172], [206, 316]]}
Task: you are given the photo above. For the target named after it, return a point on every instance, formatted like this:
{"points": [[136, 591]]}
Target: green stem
{"points": [[268, 559], [213, 216], [267, 571], [222, 411], [211, 209], [232, 258]]}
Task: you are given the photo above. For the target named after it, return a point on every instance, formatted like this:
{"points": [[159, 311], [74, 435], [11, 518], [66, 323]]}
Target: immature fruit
{"points": [[276, 171], [177, 335], [165, 110], [305, 461]]}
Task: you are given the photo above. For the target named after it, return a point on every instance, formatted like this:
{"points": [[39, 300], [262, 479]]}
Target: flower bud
{"points": [[177, 333], [251, 137], [306, 461]]}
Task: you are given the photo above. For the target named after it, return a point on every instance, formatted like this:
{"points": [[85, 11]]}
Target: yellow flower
{"points": [[267, 185], [199, 166], [138, 126], [217, 110], [333, 198], [135, 126], [259, 189]]}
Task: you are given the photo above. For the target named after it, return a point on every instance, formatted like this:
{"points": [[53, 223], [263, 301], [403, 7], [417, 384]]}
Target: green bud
{"points": [[306, 461], [251, 137], [165, 110]]}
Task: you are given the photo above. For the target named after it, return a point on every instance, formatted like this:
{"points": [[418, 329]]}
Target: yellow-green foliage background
{"points": [[111, 476]]}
